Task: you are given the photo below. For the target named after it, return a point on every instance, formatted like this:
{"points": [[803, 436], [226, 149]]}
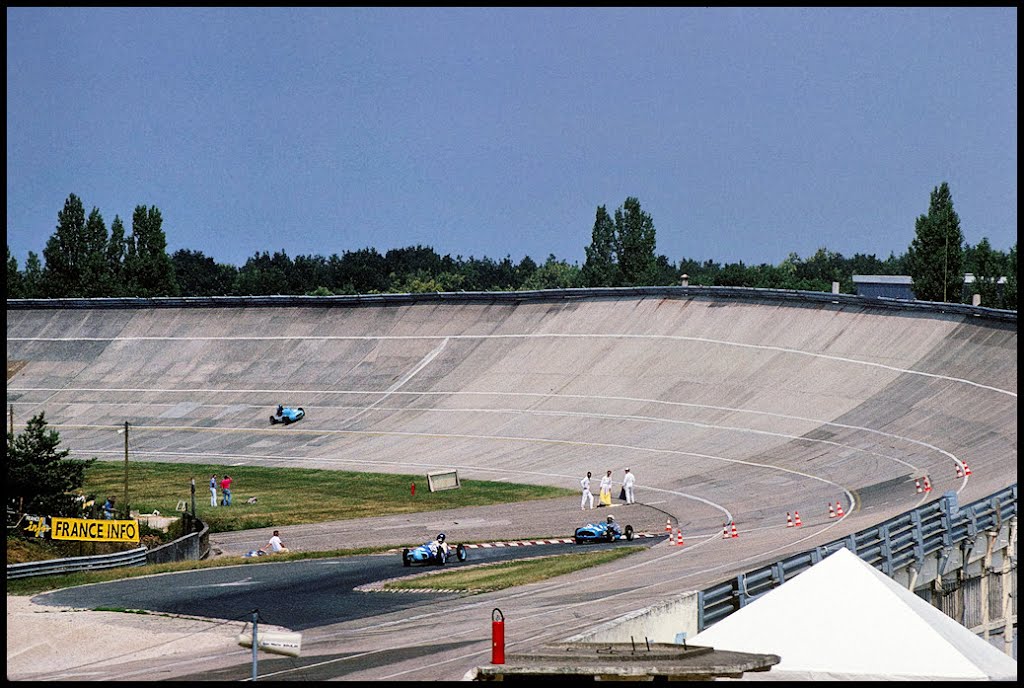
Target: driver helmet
{"points": [[611, 519], [440, 537]]}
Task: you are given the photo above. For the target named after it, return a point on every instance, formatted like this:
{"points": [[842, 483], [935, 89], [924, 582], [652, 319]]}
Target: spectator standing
{"points": [[587, 494], [628, 481], [213, 490], [274, 545], [108, 508], [225, 490], [606, 490]]}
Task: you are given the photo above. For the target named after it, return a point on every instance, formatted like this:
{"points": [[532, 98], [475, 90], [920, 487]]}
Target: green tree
{"points": [[1010, 288], [15, 281], [95, 270], [148, 268], [65, 252], [936, 253], [117, 252], [553, 274], [33, 276], [264, 275], [199, 275], [634, 244], [985, 265], [600, 268], [40, 478]]}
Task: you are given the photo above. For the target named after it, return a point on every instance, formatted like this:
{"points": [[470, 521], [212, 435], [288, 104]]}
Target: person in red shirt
{"points": [[225, 489]]}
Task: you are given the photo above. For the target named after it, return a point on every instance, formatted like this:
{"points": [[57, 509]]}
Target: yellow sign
{"points": [[96, 530]]}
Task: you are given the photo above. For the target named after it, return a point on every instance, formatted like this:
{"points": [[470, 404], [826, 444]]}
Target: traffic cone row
{"points": [[959, 471], [917, 483], [679, 538], [725, 532], [734, 533], [967, 469], [831, 511], [789, 520], [839, 509], [797, 523], [668, 526], [927, 485]]}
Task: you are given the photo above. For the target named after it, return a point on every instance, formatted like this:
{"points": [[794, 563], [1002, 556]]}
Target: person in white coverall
{"points": [[588, 496], [627, 484]]}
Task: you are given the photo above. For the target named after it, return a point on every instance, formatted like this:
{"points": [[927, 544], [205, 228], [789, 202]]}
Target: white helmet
{"points": [[611, 519]]}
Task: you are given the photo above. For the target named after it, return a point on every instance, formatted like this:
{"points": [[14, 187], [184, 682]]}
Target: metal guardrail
{"points": [[934, 528], [53, 567], [349, 301], [192, 545]]}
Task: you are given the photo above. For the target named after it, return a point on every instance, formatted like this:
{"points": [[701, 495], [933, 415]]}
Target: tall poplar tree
{"points": [[147, 265], [935, 255], [634, 244], [65, 252], [600, 268]]}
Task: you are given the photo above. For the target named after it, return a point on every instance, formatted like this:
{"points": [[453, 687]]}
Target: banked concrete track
{"points": [[725, 408]]}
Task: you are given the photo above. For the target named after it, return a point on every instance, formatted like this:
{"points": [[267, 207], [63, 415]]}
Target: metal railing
{"points": [[95, 562], [191, 546], [543, 295], [934, 528]]}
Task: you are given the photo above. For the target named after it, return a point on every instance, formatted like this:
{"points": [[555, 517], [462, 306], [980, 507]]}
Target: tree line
{"points": [[82, 259]]}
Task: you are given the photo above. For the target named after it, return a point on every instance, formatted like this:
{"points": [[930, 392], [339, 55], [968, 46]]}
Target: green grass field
{"points": [[291, 496]]}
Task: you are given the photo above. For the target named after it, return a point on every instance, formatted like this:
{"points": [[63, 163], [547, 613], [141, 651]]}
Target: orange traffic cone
{"points": [[789, 520], [734, 533], [927, 485], [798, 523], [959, 471], [668, 526], [917, 484], [679, 538], [725, 531], [831, 512], [839, 509], [967, 469]]}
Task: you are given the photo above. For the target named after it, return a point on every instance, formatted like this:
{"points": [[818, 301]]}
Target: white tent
{"points": [[842, 619]]}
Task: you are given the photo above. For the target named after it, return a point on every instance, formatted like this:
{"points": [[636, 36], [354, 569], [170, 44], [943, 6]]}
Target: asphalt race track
{"points": [[725, 409]]}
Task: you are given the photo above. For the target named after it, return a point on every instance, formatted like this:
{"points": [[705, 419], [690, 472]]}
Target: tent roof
{"points": [[842, 618]]}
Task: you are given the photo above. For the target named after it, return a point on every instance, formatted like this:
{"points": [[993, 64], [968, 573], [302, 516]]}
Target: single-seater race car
{"points": [[287, 415], [432, 553], [602, 532]]}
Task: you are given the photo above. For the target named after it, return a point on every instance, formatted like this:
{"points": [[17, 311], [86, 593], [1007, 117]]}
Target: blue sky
{"points": [[747, 134]]}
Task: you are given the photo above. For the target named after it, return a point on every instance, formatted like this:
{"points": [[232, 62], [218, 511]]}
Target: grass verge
{"points": [[292, 496]]}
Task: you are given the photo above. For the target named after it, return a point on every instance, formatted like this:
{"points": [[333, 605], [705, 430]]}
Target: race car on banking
{"points": [[287, 415]]}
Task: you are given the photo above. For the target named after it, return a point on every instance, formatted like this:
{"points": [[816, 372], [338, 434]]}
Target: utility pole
{"points": [[125, 507], [945, 268]]}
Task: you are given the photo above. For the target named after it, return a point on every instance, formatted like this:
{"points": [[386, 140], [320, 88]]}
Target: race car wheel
{"points": [[273, 421], [460, 552], [440, 559], [629, 533], [405, 558]]}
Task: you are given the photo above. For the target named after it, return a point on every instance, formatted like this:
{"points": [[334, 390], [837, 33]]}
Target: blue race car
{"points": [[602, 532], [287, 415], [430, 553]]}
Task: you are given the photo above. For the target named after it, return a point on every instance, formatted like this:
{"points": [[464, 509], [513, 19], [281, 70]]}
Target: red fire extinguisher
{"points": [[497, 637], [412, 489]]}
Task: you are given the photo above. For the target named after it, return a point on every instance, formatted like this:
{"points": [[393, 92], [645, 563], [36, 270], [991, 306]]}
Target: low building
{"points": [[885, 286]]}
